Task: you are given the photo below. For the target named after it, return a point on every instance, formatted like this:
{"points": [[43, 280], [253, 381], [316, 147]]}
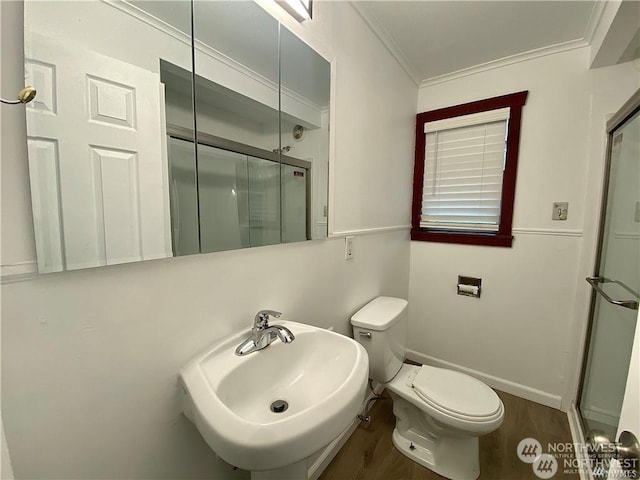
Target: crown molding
{"points": [[502, 62], [386, 39], [383, 35], [595, 19], [150, 20], [209, 51], [185, 38]]}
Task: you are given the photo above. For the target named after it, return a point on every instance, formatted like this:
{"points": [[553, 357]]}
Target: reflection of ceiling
{"points": [[304, 71], [438, 37], [243, 31], [240, 30], [217, 96], [176, 13]]}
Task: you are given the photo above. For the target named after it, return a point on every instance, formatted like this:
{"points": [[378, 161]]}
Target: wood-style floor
{"points": [[370, 454]]}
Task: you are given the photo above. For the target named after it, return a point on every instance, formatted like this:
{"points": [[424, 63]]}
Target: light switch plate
{"points": [[560, 210], [348, 248]]}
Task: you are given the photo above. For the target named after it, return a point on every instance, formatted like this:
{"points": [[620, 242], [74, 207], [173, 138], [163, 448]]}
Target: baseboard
{"points": [[331, 450], [577, 435], [507, 386]]}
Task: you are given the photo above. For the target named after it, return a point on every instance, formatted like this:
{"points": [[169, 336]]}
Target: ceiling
{"points": [[434, 38]]}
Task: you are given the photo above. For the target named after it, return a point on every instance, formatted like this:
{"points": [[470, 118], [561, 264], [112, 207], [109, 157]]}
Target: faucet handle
{"points": [[286, 335], [262, 318]]}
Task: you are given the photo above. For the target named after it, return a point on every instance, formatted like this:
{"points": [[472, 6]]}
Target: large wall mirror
{"points": [[149, 140]]}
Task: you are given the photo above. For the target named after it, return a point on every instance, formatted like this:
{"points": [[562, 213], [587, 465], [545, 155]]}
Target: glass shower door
{"points": [[616, 284], [185, 226], [223, 199], [295, 205], [264, 202]]}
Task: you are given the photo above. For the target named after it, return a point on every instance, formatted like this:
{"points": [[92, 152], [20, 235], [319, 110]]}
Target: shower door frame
{"points": [[186, 134], [630, 108]]}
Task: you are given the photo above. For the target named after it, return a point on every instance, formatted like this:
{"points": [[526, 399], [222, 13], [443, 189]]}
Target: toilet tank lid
{"points": [[380, 313]]}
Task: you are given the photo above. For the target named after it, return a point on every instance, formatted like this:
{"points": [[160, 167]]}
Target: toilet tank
{"points": [[381, 328]]}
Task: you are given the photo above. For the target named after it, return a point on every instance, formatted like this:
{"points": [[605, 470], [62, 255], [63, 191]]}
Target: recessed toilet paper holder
{"points": [[469, 286]]}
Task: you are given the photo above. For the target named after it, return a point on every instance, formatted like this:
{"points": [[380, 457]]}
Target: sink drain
{"points": [[279, 406]]}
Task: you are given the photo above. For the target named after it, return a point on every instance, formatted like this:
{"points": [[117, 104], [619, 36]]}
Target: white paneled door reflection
{"points": [[98, 165]]}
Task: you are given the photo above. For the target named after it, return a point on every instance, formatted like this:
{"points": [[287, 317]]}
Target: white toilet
{"points": [[439, 413]]}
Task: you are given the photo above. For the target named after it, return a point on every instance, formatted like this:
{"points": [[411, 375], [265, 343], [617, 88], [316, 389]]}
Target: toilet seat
{"points": [[456, 394]]}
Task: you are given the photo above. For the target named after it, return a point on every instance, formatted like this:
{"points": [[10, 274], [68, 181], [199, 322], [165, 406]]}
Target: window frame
{"points": [[503, 237]]}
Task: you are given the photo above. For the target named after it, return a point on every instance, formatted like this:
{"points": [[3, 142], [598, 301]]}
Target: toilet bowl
{"points": [[440, 413]]}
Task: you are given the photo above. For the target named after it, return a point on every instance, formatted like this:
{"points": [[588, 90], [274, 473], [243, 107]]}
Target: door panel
{"points": [[222, 191], [264, 202], [616, 285], [294, 203], [630, 410], [98, 127], [184, 197]]}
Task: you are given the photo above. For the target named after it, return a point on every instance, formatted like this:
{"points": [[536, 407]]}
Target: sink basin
{"points": [[276, 406]]}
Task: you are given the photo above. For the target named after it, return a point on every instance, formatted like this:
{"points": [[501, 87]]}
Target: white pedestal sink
{"points": [[296, 471], [269, 410]]}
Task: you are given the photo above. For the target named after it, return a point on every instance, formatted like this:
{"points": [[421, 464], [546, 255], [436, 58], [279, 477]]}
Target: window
{"points": [[465, 172]]}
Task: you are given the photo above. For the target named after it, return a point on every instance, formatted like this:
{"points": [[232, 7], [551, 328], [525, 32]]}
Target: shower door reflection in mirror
{"points": [[236, 196], [250, 107], [237, 119]]}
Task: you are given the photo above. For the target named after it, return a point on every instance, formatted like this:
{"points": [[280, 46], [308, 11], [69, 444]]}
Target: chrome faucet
{"points": [[262, 334]]}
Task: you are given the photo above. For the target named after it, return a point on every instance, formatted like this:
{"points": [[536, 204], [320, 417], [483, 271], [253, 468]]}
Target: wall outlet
{"points": [[637, 214], [560, 210], [348, 248]]}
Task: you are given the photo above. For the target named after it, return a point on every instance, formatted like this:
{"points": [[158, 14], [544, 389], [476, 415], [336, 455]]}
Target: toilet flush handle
{"points": [[365, 334]]}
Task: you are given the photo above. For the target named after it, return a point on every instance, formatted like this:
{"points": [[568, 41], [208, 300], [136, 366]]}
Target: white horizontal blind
{"points": [[463, 173]]}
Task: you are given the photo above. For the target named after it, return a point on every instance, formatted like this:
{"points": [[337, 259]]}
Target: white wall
{"points": [[524, 335], [6, 470], [90, 358]]}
